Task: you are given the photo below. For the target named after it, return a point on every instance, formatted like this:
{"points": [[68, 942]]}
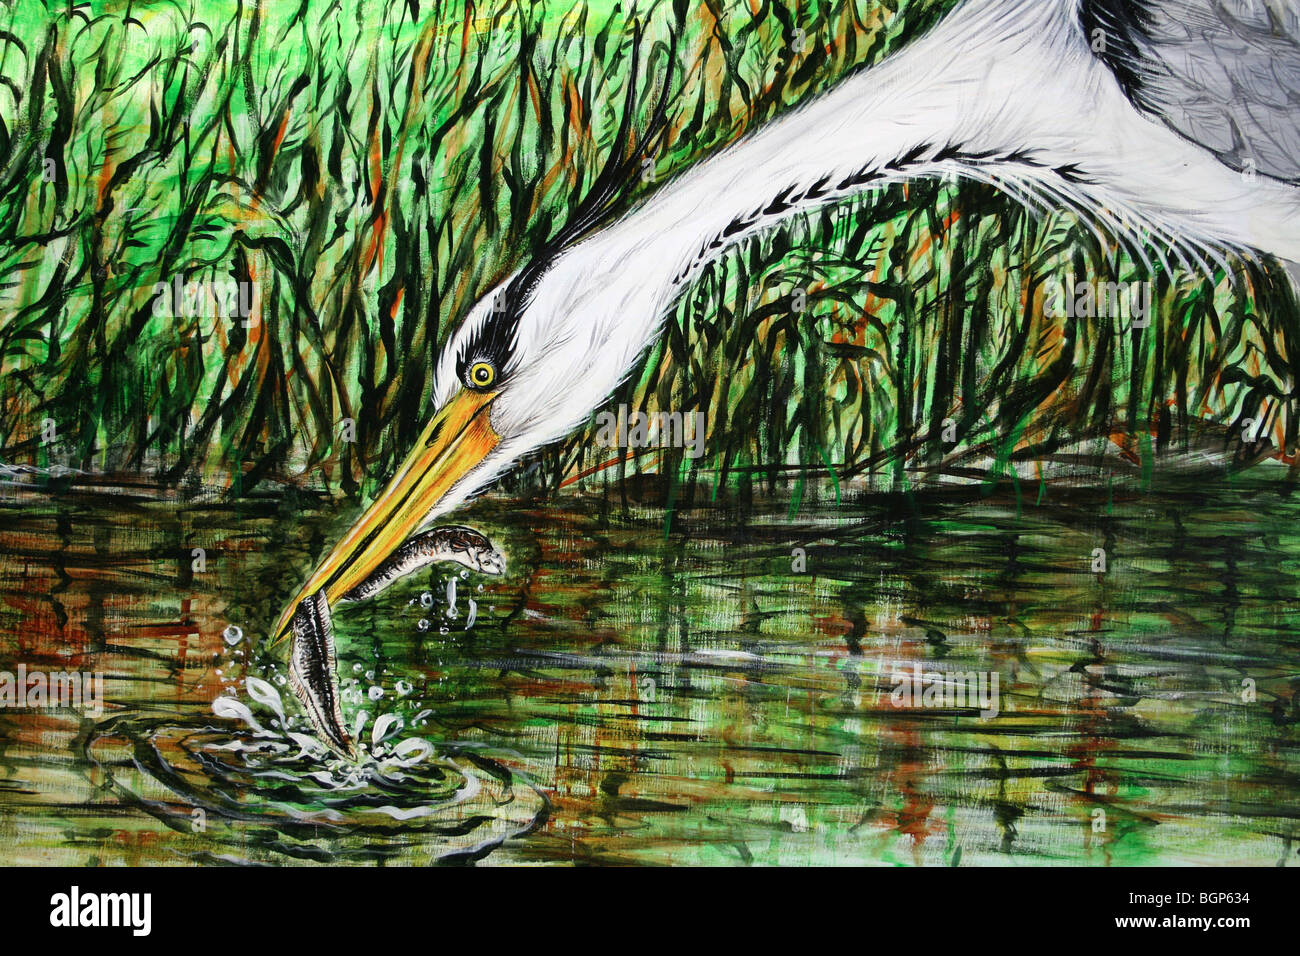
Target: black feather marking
{"points": [[780, 202], [1070, 172], [860, 178], [1124, 24], [818, 189], [740, 224], [1022, 157], [909, 158], [616, 180], [951, 151], [496, 338], [493, 342]]}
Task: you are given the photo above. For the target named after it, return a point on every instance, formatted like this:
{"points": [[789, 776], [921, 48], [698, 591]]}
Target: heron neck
{"points": [[937, 107]]}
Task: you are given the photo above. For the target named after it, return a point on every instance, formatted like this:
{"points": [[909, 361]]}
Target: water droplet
{"points": [[426, 599], [382, 731], [266, 695], [375, 693], [229, 707], [356, 668], [472, 616], [412, 751], [423, 624], [310, 746], [403, 688], [233, 634]]}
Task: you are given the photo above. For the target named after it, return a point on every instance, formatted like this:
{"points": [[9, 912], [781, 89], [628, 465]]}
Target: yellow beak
{"points": [[458, 438]]}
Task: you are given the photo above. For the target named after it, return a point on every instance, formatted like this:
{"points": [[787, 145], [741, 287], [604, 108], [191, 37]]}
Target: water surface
{"points": [[641, 687]]}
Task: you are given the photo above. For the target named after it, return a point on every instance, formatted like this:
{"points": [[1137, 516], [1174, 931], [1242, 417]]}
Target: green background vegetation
{"points": [[371, 169]]}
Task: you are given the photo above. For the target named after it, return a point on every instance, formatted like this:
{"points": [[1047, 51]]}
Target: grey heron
{"points": [[1181, 116]]}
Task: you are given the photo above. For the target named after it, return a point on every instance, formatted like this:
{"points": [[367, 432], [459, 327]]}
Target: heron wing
{"points": [[1224, 74]]}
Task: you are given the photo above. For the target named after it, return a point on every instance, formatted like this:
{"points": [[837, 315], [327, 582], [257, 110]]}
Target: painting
{"points": [[674, 432]]}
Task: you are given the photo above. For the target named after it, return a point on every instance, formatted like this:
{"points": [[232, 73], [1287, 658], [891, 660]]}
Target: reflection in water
{"points": [[718, 688]]}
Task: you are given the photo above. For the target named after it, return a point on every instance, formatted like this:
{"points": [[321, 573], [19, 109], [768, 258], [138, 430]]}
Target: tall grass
{"points": [[371, 169]]}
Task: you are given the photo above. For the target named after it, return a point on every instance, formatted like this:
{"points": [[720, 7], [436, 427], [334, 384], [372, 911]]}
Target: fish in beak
{"points": [[380, 547]]}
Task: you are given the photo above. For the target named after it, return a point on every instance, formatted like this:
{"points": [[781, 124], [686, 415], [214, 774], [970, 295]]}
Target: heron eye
{"points": [[482, 374]]}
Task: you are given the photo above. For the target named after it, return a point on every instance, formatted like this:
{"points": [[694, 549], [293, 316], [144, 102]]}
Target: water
{"points": [[639, 689]]}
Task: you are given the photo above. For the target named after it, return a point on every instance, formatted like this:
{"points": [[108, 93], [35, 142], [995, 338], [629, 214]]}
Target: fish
{"points": [[312, 659]]}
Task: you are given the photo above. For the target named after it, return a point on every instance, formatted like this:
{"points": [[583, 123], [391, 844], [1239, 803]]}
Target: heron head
{"points": [[530, 360], [529, 363]]}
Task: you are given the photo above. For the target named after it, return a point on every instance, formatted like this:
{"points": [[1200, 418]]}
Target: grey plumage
{"points": [[1224, 74]]}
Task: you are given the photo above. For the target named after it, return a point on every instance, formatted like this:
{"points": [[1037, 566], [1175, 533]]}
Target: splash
{"points": [[263, 788]]}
